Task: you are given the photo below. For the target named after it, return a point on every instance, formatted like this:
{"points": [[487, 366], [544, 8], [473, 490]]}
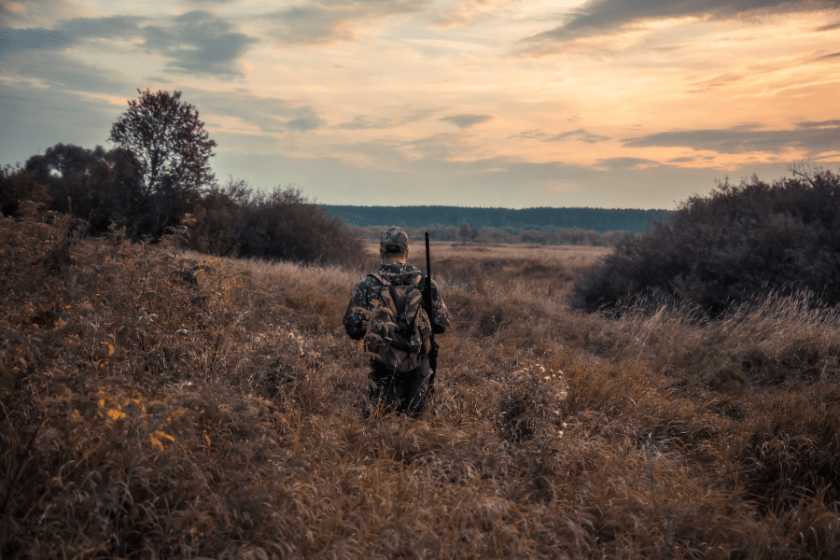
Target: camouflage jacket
{"points": [[367, 292]]}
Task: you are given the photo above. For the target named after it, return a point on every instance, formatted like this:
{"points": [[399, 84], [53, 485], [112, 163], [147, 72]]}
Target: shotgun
{"points": [[430, 311]]}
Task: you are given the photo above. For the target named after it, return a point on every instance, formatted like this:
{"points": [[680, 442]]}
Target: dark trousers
{"points": [[398, 392]]}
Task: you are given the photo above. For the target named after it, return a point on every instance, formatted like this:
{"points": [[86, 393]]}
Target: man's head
{"points": [[393, 245]]}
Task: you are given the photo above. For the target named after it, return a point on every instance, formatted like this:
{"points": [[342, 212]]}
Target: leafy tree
{"points": [[467, 233], [99, 186], [172, 150]]}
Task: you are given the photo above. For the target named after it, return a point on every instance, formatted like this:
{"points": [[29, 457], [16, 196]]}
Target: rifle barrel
{"points": [[428, 263], [430, 311]]}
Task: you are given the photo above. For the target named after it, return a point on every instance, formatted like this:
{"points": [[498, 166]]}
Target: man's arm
{"points": [[442, 317], [354, 320]]}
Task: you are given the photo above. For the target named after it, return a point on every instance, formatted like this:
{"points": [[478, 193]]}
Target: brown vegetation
{"points": [[150, 409], [105, 189], [738, 245]]}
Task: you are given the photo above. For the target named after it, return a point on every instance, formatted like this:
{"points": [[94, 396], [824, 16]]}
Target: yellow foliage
{"points": [[116, 414]]}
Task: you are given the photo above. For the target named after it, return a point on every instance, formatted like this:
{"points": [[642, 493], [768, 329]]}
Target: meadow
{"points": [[158, 403]]}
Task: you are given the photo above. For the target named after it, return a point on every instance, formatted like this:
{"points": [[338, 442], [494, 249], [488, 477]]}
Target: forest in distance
{"points": [[600, 220]]}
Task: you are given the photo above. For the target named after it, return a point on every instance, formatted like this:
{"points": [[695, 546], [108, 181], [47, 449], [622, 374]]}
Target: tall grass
{"points": [[145, 416]]}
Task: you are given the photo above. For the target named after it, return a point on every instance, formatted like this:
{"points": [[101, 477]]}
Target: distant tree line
{"points": [[549, 236], [514, 221], [158, 177]]}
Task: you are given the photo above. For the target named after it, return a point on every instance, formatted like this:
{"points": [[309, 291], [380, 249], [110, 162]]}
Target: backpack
{"points": [[398, 328]]}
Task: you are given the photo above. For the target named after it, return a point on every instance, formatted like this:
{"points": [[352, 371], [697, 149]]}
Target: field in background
{"points": [[153, 409], [491, 235], [574, 256]]}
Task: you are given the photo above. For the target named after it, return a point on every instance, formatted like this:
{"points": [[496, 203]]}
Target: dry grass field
{"points": [[145, 416]]}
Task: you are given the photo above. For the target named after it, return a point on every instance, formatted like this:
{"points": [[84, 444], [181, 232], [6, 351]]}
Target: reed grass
{"points": [[142, 416]]}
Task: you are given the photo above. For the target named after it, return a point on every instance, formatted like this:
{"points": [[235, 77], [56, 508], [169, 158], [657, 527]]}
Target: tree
{"points": [[172, 150], [18, 186], [467, 232], [98, 186]]}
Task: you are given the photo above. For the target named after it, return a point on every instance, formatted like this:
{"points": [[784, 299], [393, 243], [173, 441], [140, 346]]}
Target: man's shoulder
{"points": [[365, 282]]}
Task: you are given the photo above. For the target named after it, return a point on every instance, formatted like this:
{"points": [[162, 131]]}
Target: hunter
{"points": [[386, 310]]}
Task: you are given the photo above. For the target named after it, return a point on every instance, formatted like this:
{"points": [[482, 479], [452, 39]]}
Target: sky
{"points": [[487, 103]]}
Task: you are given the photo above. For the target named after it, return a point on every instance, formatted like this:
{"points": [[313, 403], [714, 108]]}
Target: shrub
{"points": [[739, 243], [284, 225], [18, 186], [219, 218]]}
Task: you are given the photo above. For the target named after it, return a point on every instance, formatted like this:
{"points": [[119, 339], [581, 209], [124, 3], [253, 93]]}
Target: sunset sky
{"points": [[606, 103]]}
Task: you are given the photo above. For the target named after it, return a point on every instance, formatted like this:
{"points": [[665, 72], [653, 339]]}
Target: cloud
{"points": [[330, 21], [32, 39], [387, 155], [832, 55], [829, 27], [530, 135], [717, 81], [67, 33], [199, 43], [269, 114], [814, 137], [625, 163], [37, 13], [116, 27], [690, 159], [465, 12], [439, 148], [579, 134], [466, 120], [829, 124], [304, 124], [364, 123], [65, 72], [604, 17]]}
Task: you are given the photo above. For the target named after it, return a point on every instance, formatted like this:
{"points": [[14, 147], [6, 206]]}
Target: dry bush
{"points": [[158, 403], [283, 225], [17, 187], [105, 188], [737, 245]]}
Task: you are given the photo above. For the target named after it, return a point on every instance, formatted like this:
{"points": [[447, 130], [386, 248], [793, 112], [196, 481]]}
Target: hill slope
{"points": [[147, 413]]}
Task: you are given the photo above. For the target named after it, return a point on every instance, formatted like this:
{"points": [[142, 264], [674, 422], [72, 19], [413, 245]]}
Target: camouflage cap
{"points": [[394, 240]]}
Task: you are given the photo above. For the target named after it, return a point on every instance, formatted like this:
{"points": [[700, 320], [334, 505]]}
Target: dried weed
{"points": [[143, 415]]}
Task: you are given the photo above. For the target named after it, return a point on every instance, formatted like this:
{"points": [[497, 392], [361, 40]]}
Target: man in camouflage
{"points": [[402, 391]]}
